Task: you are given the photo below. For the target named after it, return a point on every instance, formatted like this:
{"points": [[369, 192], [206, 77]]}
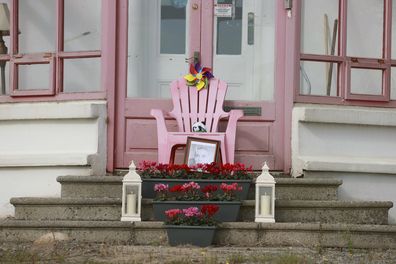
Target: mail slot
{"points": [[247, 110]]}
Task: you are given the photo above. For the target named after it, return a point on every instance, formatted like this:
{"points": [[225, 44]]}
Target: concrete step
{"points": [[352, 212], [286, 188], [94, 209], [227, 234]]}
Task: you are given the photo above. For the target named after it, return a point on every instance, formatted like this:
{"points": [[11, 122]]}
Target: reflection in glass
{"points": [[173, 27], [319, 27], [229, 30], [365, 28], [366, 81], [315, 78], [82, 25], [5, 78], [393, 83], [34, 77], [37, 24], [81, 75]]}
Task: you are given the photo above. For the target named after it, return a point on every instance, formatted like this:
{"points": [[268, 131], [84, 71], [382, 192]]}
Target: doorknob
{"points": [[250, 28], [197, 56]]}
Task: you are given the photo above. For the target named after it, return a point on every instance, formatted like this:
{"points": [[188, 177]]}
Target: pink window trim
{"points": [[345, 64], [54, 91]]}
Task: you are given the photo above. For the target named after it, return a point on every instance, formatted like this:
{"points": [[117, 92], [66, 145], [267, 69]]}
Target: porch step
{"points": [[227, 234], [352, 212], [286, 188], [86, 209]]}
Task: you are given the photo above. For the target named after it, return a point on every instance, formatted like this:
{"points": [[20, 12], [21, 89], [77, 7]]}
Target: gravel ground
{"points": [[104, 253]]}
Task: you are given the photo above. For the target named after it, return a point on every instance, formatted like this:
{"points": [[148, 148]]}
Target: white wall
{"points": [[40, 141], [355, 144]]}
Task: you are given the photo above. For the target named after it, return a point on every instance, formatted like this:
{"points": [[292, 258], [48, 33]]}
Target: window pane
{"points": [[315, 78], [150, 31], [318, 21], [37, 26], [34, 77], [365, 28], [173, 27], [81, 75], [366, 81], [393, 29], [393, 83], [229, 30], [82, 25], [4, 78]]}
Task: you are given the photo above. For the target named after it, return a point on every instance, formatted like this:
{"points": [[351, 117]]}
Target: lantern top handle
{"points": [[265, 167], [132, 166]]}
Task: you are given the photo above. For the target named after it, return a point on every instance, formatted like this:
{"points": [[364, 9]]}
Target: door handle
{"points": [[250, 28]]}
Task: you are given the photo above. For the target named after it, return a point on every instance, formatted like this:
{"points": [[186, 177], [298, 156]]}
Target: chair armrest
{"points": [[233, 119], [159, 116]]}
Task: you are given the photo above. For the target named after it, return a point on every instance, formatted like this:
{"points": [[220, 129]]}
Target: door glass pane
{"points": [[173, 26], [366, 81], [229, 30], [365, 28], [247, 64], [82, 25], [157, 33], [319, 27], [33, 77], [37, 26], [315, 78], [81, 75]]}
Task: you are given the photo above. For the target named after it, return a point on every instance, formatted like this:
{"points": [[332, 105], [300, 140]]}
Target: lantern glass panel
{"points": [[265, 200], [131, 199]]}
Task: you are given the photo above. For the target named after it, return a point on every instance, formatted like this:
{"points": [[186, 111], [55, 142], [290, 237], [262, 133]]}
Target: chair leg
{"points": [[163, 154], [223, 153]]}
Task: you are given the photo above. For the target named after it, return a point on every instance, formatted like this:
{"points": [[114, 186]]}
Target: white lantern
{"points": [[131, 195], [265, 197]]}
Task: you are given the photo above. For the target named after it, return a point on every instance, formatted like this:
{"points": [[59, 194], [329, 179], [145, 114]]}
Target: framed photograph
{"points": [[200, 151]]}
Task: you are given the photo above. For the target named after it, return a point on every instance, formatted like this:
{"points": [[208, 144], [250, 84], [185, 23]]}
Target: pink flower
{"points": [[191, 211], [190, 186], [160, 187]]}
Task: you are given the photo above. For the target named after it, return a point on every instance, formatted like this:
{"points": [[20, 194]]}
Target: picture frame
{"points": [[201, 150]]}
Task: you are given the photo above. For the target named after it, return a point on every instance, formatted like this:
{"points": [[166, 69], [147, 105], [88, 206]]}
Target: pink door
{"points": [[237, 39]]}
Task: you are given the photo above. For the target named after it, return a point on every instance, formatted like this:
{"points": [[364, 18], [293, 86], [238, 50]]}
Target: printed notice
{"points": [[223, 10]]}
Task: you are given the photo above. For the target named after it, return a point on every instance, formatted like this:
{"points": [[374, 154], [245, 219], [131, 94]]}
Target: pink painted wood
{"points": [[189, 106]]}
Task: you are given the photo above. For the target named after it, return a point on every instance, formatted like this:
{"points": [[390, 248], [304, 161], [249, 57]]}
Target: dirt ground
{"points": [[104, 253]]}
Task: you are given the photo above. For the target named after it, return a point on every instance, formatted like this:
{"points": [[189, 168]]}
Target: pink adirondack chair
{"points": [[190, 106]]}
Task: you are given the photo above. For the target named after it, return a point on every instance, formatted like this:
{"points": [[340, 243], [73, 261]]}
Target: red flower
{"points": [[209, 188], [172, 213], [209, 209], [176, 188]]}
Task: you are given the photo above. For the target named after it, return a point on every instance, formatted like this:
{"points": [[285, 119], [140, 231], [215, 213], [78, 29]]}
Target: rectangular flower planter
{"points": [[148, 185], [201, 236], [228, 211]]}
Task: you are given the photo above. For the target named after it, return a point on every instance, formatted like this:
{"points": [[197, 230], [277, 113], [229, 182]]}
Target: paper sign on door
{"points": [[223, 10]]}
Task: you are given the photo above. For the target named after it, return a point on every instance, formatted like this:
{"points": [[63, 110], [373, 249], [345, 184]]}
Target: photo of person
{"points": [[200, 152]]}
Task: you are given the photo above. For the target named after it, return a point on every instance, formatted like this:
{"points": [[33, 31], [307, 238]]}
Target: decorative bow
{"points": [[198, 76]]}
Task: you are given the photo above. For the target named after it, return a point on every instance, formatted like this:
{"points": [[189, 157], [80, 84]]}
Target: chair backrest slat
{"points": [[191, 106]]}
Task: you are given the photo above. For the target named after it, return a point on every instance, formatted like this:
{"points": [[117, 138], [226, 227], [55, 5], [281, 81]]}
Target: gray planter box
{"points": [[228, 211], [148, 185], [201, 236]]}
